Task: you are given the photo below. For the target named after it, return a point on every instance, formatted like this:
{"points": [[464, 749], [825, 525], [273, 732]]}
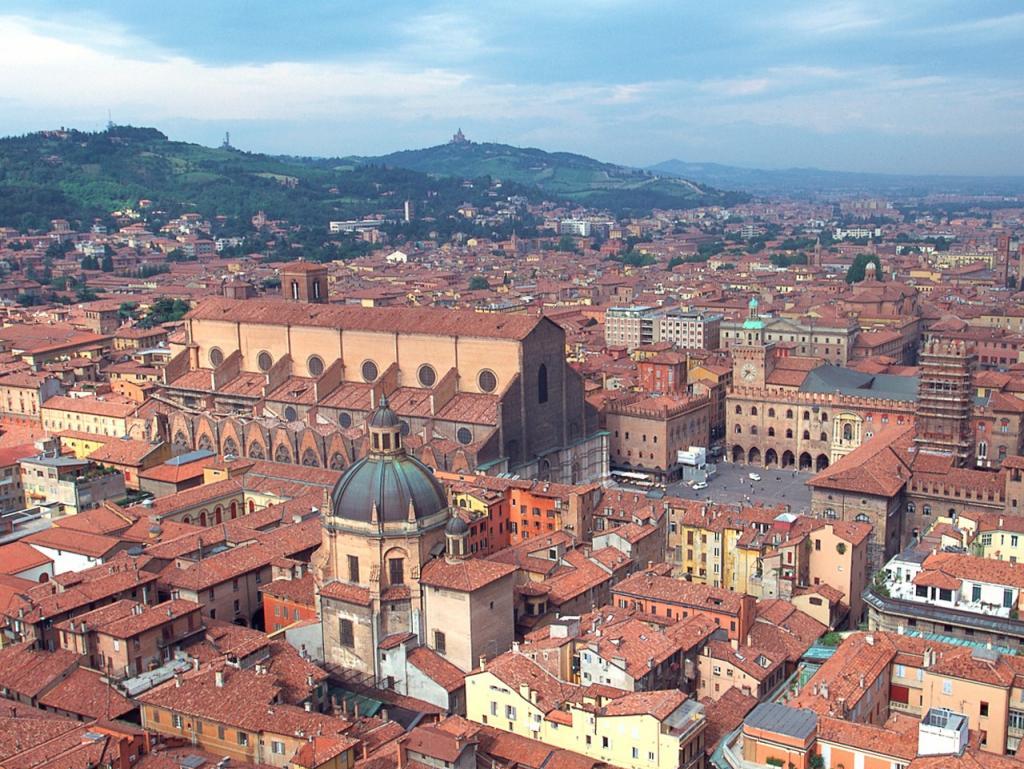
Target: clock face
{"points": [[749, 372]]}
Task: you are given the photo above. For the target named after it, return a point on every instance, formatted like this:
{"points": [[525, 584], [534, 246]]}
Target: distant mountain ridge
{"points": [[562, 174], [760, 181]]}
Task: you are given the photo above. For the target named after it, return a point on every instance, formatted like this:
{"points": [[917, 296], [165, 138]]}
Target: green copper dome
{"points": [[390, 483], [387, 479]]}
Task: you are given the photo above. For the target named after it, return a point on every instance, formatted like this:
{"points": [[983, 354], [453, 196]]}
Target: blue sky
{"points": [[903, 86]]}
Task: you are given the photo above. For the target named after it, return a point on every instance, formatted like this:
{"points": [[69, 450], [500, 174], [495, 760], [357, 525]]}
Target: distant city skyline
{"points": [[910, 87]]}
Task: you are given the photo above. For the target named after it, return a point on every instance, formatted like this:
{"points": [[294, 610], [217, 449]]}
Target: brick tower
{"points": [[304, 282], [944, 400]]}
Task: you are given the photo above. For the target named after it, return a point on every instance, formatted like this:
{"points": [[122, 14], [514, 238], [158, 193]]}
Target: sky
{"points": [[901, 86]]}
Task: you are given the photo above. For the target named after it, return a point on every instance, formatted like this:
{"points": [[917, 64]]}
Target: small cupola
{"points": [[456, 536], [385, 431]]}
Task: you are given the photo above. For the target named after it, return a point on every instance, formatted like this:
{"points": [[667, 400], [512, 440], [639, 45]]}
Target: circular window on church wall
{"points": [[426, 375], [290, 414], [216, 356], [404, 427], [487, 381], [315, 365], [369, 371], [464, 436], [345, 419], [264, 361]]}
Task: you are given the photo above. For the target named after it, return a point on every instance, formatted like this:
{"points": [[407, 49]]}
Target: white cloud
{"points": [[990, 26], [832, 18], [72, 71]]}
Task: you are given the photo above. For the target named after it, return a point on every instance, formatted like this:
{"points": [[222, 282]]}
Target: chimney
{"points": [[861, 680], [483, 661], [308, 706], [177, 680], [869, 639], [219, 679]]}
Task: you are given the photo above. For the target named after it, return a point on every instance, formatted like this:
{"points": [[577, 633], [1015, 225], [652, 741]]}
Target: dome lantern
{"points": [[385, 430]]}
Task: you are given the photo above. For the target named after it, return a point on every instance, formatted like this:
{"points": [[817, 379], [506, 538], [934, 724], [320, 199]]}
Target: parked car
{"points": [[698, 485], [754, 476]]}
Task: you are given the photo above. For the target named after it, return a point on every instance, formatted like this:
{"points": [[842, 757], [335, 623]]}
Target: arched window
{"points": [[807, 435], [847, 432], [316, 289], [824, 436], [771, 412], [807, 415], [830, 513], [926, 509], [824, 416], [862, 518], [911, 508], [982, 450], [739, 409], [753, 429], [789, 413], [295, 289], [753, 411], [789, 433], [542, 384], [739, 429], [771, 432]]}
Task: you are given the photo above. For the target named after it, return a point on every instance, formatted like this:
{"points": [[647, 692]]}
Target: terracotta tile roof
{"points": [[20, 556], [641, 646], [876, 467], [660, 704], [177, 473], [10, 455], [342, 591], [463, 575], [408, 320], [960, 566], [756, 662], [647, 586], [515, 669], [70, 590], [124, 452], [299, 590], [68, 540], [898, 738], [107, 519], [29, 671], [208, 493], [85, 694], [395, 640], [218, 568], [724, 714], [108, 407], [437, 668], [149, 617]]}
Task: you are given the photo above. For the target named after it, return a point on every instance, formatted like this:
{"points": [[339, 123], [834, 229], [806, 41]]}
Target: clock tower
{"points": [[752, 356]]}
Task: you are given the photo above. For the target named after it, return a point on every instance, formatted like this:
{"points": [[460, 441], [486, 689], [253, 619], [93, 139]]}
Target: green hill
{"points": [[81, 176], [560, 174]]}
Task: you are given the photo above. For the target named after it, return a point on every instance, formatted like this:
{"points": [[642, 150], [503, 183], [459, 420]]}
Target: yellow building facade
{"points": [[593, 726]]}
